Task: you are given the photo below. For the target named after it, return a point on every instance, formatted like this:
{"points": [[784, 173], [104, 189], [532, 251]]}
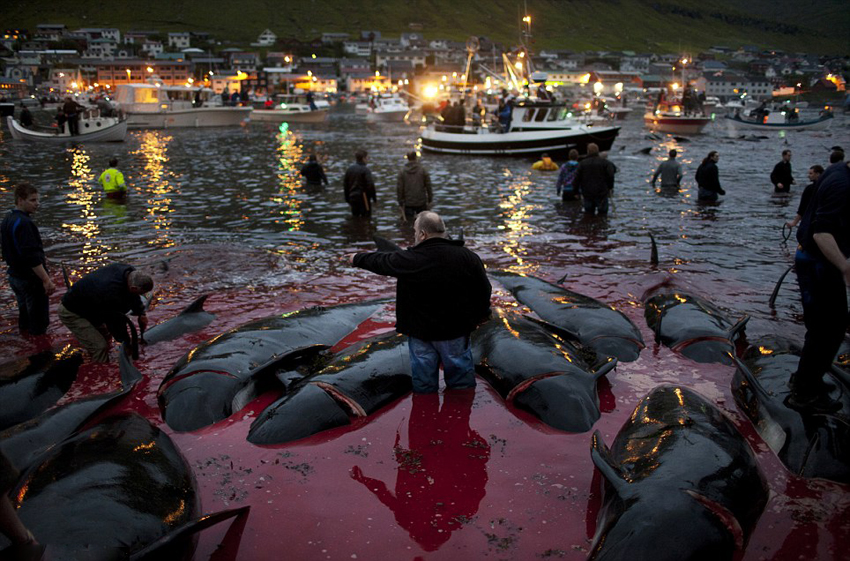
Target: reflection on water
{"points": [[157, 186], [290, 154], [82, 195], [442, 474], [516, 214]]}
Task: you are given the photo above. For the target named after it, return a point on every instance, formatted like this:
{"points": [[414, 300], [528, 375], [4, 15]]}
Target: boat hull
{"points": [[279, 116], [199, 117], [386, 116], [557, 143], [676, 125], [106, 129], [739, 124]]}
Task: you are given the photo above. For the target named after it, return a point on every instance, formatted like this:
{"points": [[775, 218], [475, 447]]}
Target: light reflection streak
{"points": [[158, 186], [290, 152], [517, 215], [82, 194]]}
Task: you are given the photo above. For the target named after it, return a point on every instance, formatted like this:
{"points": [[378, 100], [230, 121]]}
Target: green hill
{"points": [[817, 26]]}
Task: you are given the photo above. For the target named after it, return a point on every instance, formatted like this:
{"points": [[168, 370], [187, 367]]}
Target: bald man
{"points": [[441, 296]]}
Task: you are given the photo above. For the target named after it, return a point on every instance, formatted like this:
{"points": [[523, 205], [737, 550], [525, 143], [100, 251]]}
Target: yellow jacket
{"points": [[546, 164], [112, 181]]}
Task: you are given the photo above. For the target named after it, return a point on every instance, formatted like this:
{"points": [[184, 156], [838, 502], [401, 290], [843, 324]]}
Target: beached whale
{"points": [[680, 483], [538, 371], [356, 383], [192, 318], [115, 491], [31, 385], [591, 322], [23, 443], [692, 326], [220, 376], [810, 444]]}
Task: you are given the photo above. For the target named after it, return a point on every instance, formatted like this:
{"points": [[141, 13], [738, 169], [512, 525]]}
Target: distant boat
{"points": [[157, 106], [94, 129], [671, 119], [536, 127], [385, 107], [736, 123], [292, 109]]}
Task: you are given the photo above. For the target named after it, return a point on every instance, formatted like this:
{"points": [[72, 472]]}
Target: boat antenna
{"points": [[472, 46]]}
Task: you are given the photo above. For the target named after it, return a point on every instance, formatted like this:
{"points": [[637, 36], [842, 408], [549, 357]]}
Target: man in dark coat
{"points": [[413, 188], [23, 252], [823, 272], [595, 180], [95, 307], [313, 173], [441, 296], [358, 186], [781, 174]]}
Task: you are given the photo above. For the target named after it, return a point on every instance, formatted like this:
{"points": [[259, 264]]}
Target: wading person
{"points": [[413, 188], [441, 295], [814, 174], [95, 307], [781, 174], [708, 179], [545, 163], [670, 171], [23, 252], [358, 186], [313, 173], [824, 275], [564, 186], [112, 181], [595, 180]]}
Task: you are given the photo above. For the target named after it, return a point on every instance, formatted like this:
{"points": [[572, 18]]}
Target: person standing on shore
{"points": [[358, 186], [441, 296], [781, 174], [413, 188], [23, 252], [112, 181], [708, 179]]}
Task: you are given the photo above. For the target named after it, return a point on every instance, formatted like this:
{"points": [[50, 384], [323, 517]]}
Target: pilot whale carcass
{"points": [[220, 376], [680, 483]]}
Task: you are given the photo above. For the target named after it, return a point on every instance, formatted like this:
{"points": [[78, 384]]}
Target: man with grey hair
{"points": [[441, 296], [95, 307]]}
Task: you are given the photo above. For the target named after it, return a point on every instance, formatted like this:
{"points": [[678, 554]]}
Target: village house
{"points": [[266, 39], [179, 40]]}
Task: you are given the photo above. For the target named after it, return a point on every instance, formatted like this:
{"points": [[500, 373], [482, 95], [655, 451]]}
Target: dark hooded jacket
{"points": [[414, 186], [442, 291], [594, 177]]}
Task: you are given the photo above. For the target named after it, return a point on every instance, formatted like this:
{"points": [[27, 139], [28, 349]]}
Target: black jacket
{"points": [[102, 297], [442, 291], [828, 211], [357, 182], [314, 174], [782, 174], [22, 246], [594, 177], [708, 178]]}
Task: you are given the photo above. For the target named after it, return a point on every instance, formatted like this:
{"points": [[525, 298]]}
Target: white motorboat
{"points": [[386, 107], [536, 127], [292, 109], [92, 129], [670, 118], [157, 106], [776, 122]]}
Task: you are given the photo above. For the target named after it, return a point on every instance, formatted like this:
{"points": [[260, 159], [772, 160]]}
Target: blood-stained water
{"points": [[455, 476]]}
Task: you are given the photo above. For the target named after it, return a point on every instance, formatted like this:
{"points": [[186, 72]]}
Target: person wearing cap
{"points": [[823, 272]]}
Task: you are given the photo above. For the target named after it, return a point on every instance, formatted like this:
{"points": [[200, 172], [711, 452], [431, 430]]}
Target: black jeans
{"points": [[32, 305], [824, 298]]}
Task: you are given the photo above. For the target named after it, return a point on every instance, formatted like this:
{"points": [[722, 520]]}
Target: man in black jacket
{"points": [[313, 173], [781, 174], [97, 303], [595, 180], [358, 186], [442, 294], [23, 252]]}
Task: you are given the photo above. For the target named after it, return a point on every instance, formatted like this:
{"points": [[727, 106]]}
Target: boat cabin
{"points": [[145, 98]]}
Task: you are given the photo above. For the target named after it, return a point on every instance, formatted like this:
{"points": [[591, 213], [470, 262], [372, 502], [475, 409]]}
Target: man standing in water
{"points": [[441, 295], [112, 181], [413, 188], [595, 180], [670, 171], [23, 252], [823, 272], [781, 174], [358, 186]]}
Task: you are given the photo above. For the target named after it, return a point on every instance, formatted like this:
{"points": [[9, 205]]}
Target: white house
{"points": [[266, 39], [152, 48], [358, 48], [180, 40]]}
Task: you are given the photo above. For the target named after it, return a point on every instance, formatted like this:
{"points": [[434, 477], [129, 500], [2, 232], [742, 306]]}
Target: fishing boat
{"points": [[92, 129], [386, 107], [292, 108], [535, 127], [157, 106], [776, 122], [671, 119]]}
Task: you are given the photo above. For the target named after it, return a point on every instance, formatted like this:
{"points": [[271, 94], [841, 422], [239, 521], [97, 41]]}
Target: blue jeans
{"points": [[599, 206], [456, 357], [32, 305]]}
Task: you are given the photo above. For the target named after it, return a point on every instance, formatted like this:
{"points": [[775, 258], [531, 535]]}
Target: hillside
{"points": [[818, 26]]}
